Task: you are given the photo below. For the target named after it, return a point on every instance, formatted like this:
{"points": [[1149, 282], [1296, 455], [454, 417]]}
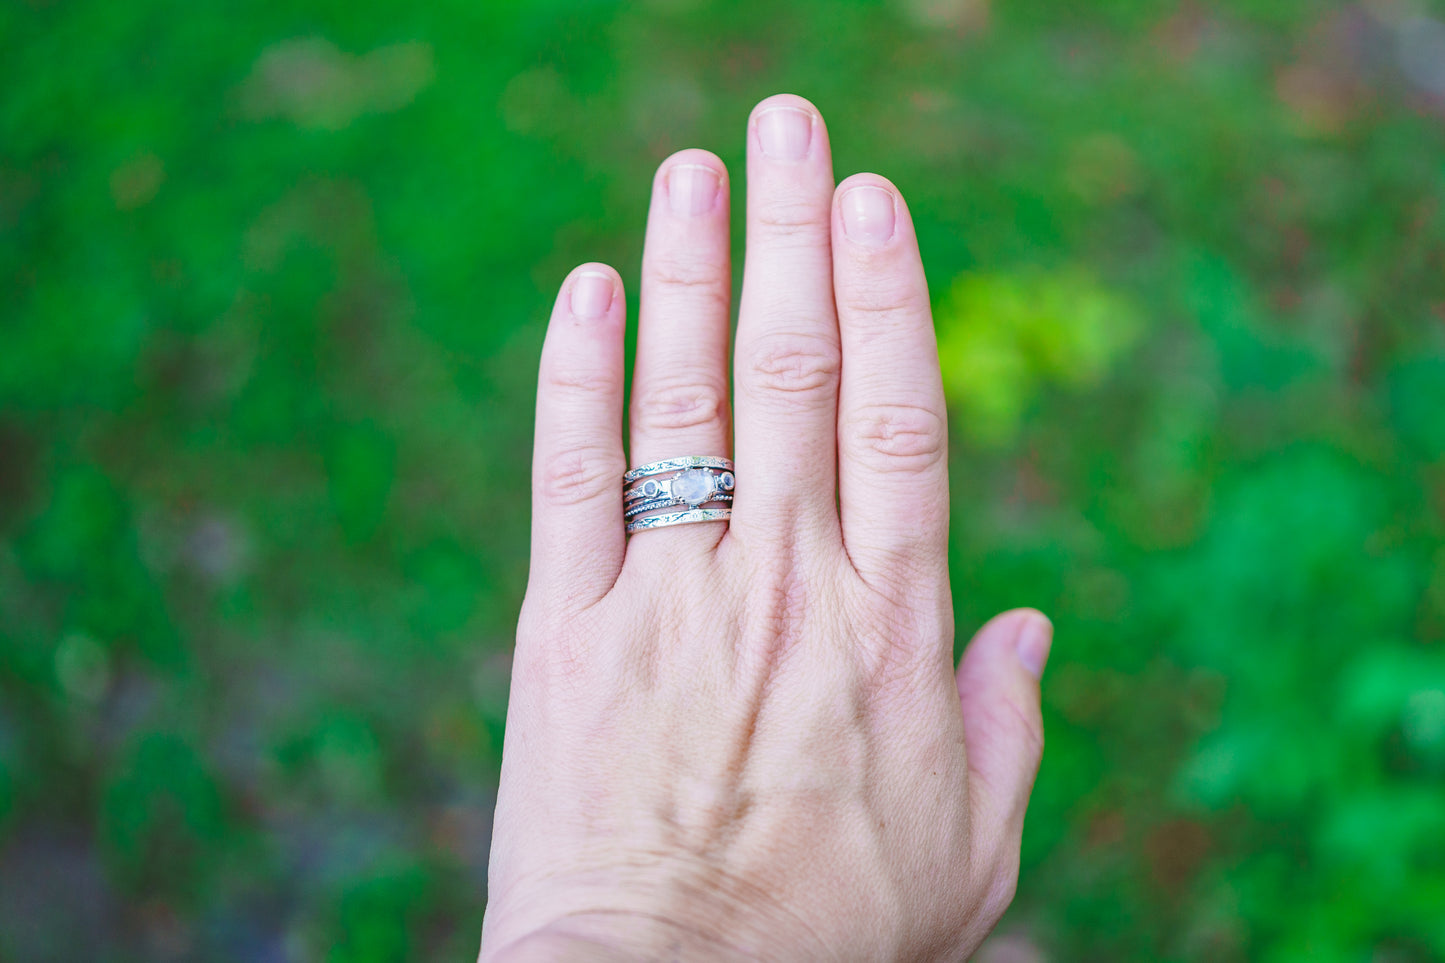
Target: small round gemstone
{"points": [[650, 489], [693, 486], [725, 481]]}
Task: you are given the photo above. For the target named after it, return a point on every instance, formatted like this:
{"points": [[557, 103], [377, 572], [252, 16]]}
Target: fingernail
{"points": [[868, 215], [691, 189], [785, 132], [1036, 636], [591, 295]]}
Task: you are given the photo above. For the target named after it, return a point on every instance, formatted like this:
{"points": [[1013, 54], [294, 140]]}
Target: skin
{"points": [[747, 740]]}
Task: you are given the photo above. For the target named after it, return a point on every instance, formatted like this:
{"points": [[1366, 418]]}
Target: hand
{"points": [[746, 739]]}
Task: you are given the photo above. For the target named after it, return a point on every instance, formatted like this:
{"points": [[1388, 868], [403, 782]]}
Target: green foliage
{"points": [[275, 282], [1000, 338], [161, 818]]}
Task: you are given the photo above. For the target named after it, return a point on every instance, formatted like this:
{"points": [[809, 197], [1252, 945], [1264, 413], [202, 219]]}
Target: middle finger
{"points": [[788, 355]]}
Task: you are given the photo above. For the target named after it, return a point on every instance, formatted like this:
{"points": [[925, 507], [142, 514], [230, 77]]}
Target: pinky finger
{"points": [[577, 460]]}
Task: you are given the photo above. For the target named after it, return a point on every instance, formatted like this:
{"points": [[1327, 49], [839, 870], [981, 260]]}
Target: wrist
{"points": [[631, 909], [616, 938]]}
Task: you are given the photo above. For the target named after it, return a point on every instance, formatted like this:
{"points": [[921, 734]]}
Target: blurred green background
{"points": [[273, 280]]}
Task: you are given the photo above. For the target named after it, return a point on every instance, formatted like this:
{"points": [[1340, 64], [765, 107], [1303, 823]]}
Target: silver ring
{"points": [[652, 505], [677, 464], [680, 518], [694, 481]]}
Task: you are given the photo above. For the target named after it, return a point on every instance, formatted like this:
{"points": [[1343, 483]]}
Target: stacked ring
{"points": [[694, 481]]}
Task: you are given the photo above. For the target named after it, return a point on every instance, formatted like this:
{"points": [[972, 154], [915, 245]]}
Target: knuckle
{"points": [[882, 302], [794, 364], [894, 572], [892, 662], [783, 218], [672, 407], [573, 380], [556, 660], [899, 437], [700, 275], [565, 662], [579, 475], [1010, 713], [780, 605], [1002, 888]]}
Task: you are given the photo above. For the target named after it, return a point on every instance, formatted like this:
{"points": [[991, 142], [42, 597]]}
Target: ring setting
{"points": [[691, 483]]}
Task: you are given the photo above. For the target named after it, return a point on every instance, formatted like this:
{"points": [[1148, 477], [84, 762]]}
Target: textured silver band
{"points": [[637, 508], [678, 487], [694, 481], [680, 518], [677, 464]]}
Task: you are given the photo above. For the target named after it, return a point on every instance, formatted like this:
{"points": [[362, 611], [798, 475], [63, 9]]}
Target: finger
{"points": [[577, 463], [680, 380], [787, 345], [1003, 728], [892, 426]]}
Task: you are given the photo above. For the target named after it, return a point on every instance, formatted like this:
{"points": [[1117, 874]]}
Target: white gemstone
{"points": [[693, 486]]}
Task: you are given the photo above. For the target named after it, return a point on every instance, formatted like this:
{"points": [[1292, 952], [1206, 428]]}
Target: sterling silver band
{"points": [[637, 508], [680, 518], [677, 464], [694, 481], [684, 487]]}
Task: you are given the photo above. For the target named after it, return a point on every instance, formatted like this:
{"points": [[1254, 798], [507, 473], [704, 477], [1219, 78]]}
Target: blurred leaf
{"points": [[374, 919], [163, 817], [313, 84], [360, 465], [1003, 337], [1417, 399]]}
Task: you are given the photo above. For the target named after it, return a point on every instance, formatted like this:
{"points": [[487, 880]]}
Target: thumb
{"points": [[1003, 728]]}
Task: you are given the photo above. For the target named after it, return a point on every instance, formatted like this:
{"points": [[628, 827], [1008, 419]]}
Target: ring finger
{"points": [[680, 383]]}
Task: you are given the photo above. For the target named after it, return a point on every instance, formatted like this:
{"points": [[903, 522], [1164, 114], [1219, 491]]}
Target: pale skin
{"points": [[746, 739]]}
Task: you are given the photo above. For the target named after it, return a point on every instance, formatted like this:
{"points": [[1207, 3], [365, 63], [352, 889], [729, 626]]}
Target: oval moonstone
{"points": [[693, 486]]}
